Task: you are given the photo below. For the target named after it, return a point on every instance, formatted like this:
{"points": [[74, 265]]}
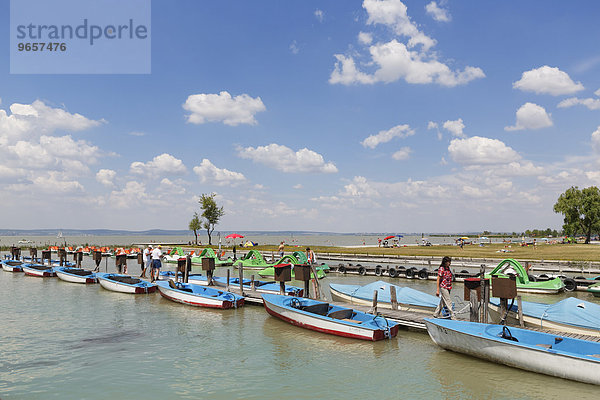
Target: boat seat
{"points": [[341, 314], [546, 346], [320, 309], [352, 320]]}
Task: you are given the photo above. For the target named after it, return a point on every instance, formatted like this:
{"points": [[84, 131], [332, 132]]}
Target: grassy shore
{"points": [[566, 252]]}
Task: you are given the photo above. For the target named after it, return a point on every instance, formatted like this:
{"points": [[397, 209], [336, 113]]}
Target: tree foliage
{"points": [[195, 225], [211, 213], [581, 210]]}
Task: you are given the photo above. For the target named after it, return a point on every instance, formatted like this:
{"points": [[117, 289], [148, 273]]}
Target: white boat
{"points": [[44, 271], [571, 315], [200, 296], [125, 284], [12, 265], [335, 320], [75, 275], [25, 241], [539, 352]]}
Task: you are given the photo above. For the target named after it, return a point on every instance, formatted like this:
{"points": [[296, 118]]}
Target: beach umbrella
{"points": [[464, 238], [400, 236], [234, 236], [389, 237]]}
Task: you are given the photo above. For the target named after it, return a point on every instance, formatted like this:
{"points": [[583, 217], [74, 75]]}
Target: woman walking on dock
{"points": [[444, 286]]}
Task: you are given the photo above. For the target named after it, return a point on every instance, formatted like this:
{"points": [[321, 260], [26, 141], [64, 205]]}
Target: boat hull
{"points": [[268, 288], [12, 266], [542, 360], [67, 277], [196, 300], [116, 286], [326, 325], [40, 273]]}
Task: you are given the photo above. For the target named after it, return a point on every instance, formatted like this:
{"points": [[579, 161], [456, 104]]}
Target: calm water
{"points": [[67, 341]]}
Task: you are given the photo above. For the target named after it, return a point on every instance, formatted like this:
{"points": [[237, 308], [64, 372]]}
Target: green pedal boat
{"points": [[511, 266]]}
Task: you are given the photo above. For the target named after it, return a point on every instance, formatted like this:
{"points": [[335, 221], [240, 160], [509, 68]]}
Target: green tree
{"points": [[581, 210], [211, 213], [195, 225]]}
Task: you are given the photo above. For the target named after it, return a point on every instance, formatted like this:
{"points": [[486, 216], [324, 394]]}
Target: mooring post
{"points": [[252, 283], [227, 285], [188, 268], [374, 308], [474, 300], [485, 295], [520, 305], [241, 276], [316, 285], [393, 297]]}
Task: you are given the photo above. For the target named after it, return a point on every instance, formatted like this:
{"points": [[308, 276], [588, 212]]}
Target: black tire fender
{"points": [[423, 274], [570, 285], [378, 270], [392, 272], [362, 270]]}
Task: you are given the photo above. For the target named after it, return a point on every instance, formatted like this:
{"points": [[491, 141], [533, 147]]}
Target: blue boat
{"points": [[323, 317], [408, 299], [197, 295], [261, 286], [75, 275], [571, 315], [12, 265], [540, 352], [125, 283]]}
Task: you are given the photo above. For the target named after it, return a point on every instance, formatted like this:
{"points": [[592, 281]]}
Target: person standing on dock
{"points": [[156, 263], [147, 260], [281, 249], [444, 286], [310, 255]]}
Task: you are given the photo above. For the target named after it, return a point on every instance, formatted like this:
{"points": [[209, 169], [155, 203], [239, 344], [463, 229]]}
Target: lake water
{"points": [[355, 239], [60, 340]]}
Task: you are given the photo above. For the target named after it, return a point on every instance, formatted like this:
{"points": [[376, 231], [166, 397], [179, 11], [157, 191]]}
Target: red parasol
{"points": [[234, 236], [389, 237]]}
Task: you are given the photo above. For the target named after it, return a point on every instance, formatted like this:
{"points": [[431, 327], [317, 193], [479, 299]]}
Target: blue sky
{"points": [[343, 116]]}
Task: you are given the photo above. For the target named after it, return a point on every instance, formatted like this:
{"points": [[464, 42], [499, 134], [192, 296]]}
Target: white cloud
{"points": [[597, 92], [208, 172], [30, 121], [294, 47], [395, 61], [401, 131], [365, 38], [297, 186], [531, 116], [402, 154], [106, 177], [437, 13], [161, 164], [596, 140], [455, 127], [285, 159], [592, 104], [481, 151], [137, 133], [393, 13], [223, 108], [547, 80], [319, 15]]}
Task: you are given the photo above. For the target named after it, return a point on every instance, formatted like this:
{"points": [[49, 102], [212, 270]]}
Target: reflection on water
{"points": [[68, 341]]}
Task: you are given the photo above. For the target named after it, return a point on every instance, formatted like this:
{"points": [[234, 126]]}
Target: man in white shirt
{"points": [[156, 264], [147, 260]]}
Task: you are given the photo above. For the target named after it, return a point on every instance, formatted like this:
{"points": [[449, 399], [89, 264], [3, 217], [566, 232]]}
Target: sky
{"points": [[337, 116]]}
